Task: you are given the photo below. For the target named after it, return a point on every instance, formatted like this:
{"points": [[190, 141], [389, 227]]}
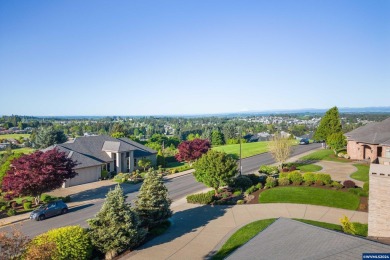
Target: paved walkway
{"points": [[339, 171], [199, 230]]}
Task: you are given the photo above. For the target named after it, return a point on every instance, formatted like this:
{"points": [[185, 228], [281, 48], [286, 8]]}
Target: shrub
{"points": [[254, 178], [122, 177], [11, 212], [307, 183], [269, 169], [319, 183], [309, 177], [104, 174], [27, 205], [237, 193], [250, 190], [201, 198], [295, 177], [346, 156], [285, 170], [241, 182], [347, 226], [66, 199], [283, 181], [293, 168], [337, 185], [325, 178], [72, 242], [240, 202], [46, 198], [3, 208], [259, 186], [283, 175], [349, 184], [270, 182], [366, 187], [340, 155], [358, 191]]}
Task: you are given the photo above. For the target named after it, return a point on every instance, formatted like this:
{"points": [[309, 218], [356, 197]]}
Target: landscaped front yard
{"points": [[325, 154], [362, 173], [311, 195]]}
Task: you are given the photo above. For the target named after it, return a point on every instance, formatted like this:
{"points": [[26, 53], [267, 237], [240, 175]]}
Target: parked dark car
{"points": [[48, 210], [304, 141]]}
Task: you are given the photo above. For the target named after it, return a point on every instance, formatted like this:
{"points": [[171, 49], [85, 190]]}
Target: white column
{"points": [[118, 162]]}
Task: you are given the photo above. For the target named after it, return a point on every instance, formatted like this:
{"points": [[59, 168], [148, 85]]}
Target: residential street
{"points": [[178, 188]]}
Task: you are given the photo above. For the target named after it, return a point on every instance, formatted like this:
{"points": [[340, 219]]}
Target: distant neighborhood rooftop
{"points": [[291, 239], [372, 133]]}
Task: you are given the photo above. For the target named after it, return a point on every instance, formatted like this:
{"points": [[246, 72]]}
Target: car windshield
{"points": [[43, 206]]}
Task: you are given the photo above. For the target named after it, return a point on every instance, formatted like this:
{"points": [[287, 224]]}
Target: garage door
{"points": [[85, 175]]}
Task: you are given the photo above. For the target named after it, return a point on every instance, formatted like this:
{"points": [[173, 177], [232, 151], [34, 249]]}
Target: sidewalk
{"points": [[198, 230]]}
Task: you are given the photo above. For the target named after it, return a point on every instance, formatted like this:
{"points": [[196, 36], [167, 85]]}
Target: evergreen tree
{"points": [[152, 204], [217, 138], [116, 227], [48, 136], [160, 158], [329, 124]]}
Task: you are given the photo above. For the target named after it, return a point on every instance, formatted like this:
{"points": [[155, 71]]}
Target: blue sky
{"points": [[192, 57]]}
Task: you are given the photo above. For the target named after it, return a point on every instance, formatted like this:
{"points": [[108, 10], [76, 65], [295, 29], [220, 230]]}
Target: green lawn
{"points": [[247, 149], [309, 168], [242, 236], [25, 150], [311, 195], [173, 165], [321, 224], [325, 154], [14, 136], [362, 172]]}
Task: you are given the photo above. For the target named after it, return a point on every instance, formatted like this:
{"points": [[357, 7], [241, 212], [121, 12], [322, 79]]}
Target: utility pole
{"points": [[240, 150]]}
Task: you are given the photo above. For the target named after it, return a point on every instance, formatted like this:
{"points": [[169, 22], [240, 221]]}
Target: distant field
{"points": [[21, 150], [14, 136], [248, 149]]}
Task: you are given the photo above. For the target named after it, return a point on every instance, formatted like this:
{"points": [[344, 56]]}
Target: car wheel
{"points": [[64, 211], [41, 217]]}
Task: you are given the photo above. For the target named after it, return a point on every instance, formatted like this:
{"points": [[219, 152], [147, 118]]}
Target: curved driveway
{"points": [[199, 230]]}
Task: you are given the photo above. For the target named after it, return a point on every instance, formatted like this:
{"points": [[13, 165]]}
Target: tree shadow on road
{"points": [[101, 192], [187, 221]]}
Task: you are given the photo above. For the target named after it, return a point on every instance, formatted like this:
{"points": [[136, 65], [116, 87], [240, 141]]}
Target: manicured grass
{"points": [[242, 236], [247, 149], [311, 195], [309, 168], [362, 172], [14, 136], [24, 150], [321, 224], [325, 154], [361, 229], [173, 165]]}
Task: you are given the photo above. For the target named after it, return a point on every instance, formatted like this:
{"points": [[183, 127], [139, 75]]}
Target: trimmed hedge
{"points": [[349, 184], [295, 177], [325, 178], [270, 182], [268, 169], [72, 242], [283, 181], [201, 198]]}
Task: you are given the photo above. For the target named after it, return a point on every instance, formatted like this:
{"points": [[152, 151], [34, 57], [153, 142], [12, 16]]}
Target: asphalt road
{"points": [[178, 188]]}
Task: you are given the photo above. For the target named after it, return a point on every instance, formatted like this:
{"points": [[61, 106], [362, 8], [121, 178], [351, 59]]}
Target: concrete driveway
{"points": [[339, 171], [199, 230]]}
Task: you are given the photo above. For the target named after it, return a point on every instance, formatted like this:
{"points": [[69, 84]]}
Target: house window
{"points": [[104, 167], [135, 162], [108, 167], [387, 154], [127, 154]]}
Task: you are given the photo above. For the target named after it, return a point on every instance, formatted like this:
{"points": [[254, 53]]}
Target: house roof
{"points": [[372, 133], [291, 239], [91, 150]]}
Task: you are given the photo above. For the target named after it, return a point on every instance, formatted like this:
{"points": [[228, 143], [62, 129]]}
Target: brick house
{"points": [[369, 142]]}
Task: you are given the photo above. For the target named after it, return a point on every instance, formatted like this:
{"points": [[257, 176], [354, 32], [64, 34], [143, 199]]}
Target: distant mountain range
{"points": [[352, 110]]}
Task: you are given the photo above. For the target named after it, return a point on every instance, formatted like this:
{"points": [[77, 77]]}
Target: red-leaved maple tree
{"points": [[189, 151], [39, 172]]}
